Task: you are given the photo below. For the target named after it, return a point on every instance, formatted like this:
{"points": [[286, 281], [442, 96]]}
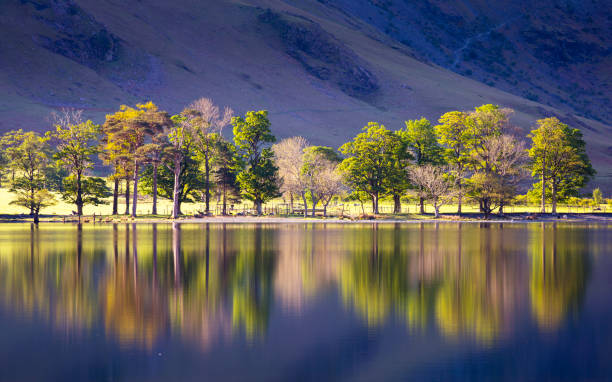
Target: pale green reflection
{"points": [[208, 283], [559, 273]]}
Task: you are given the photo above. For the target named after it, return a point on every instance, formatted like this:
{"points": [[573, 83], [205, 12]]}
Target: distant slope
{"points": [[557, 52], [320, 68]]}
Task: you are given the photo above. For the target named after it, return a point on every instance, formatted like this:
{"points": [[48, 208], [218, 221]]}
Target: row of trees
{"points": [[476, 154], [185, 157], [181, 157]]}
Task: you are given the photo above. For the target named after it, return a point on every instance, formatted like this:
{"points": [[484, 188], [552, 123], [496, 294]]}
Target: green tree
{"points": [[258, 178], [94, 190], [34, 201], [421, 142], [179, 157], [28, 158], [207, 122], [454, 134], [114, 152], [190, 181], [153, 155], [225, 173], [397, 181], [54, 177], [76, 144], [598, 198], [370, 161], [559, 160]]}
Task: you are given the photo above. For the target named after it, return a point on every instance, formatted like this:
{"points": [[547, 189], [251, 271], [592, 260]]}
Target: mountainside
{"points": [[322, 68], [557, 52]]}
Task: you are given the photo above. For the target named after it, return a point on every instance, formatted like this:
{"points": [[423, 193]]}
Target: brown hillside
{"points": [[321, 71]]}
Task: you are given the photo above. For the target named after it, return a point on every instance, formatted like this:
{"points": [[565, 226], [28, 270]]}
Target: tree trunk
{"points": [[176, 194], [291, 202], [207, 181], [135, 192], [501, 207], [314, 205], [32, 199], [422, 205], [258, 207], [375, 204], [115, 196], [36, 212], [554, 197], [154, 207], [436, 210], [79, 195], [127, 196], [325, 207], [459, 200], [305, 204], [224, 209], [486, 209], [397, 204], [543, 197]]}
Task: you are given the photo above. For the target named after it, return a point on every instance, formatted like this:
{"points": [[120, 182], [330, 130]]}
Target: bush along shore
{"points": [[470, 165]]}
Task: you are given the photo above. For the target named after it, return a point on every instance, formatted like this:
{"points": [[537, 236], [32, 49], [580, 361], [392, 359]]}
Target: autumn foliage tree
{"points": [[133, 127]]}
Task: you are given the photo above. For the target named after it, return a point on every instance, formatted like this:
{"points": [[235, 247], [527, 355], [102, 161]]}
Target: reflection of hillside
{"points": [[206, 283]]}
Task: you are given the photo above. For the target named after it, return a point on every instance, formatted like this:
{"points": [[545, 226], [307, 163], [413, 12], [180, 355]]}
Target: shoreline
{"points": [[514, 219]]}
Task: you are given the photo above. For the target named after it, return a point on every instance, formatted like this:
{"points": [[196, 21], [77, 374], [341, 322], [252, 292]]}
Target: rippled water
{"points": [[298, 302]]}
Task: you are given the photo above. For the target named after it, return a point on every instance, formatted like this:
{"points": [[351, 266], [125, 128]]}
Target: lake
{"points": [[306, 302]]}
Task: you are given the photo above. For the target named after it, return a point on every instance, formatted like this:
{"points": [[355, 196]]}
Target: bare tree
{"points": [[495, 184], [66, 117], [509, 157], [208, 122], [319, 174], [329, 184], [434, 183], [289, 154]]}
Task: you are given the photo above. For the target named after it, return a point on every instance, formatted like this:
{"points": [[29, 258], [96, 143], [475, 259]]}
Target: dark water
{"points": [[425, 302]]}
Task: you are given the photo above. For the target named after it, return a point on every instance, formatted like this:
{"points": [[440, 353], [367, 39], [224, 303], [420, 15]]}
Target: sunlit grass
{"points": [[276, 207]]}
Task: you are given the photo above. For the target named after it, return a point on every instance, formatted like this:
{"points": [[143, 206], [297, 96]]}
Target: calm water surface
{"points": [[293, 302]]}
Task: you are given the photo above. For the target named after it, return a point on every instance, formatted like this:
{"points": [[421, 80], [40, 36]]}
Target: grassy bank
{"points": [[277, 209]]}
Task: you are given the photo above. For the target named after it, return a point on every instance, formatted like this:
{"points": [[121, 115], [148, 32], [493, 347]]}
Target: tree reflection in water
{"points": [[210, 283]]}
